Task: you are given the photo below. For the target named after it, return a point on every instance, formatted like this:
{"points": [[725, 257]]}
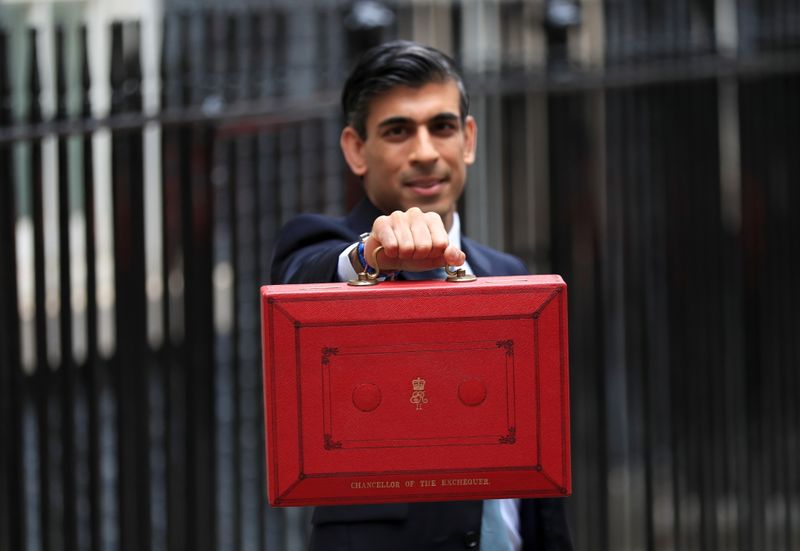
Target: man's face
{"points": [[417, 149]]}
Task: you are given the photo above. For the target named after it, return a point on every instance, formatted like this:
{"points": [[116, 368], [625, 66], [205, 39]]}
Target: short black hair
{"points": [[397, 63]]}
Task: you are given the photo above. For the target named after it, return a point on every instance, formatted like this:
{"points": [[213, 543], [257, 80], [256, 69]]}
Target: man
{"points": [[410, 138]]}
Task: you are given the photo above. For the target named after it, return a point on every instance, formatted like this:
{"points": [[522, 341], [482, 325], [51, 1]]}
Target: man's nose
{"points": [[424, 151]]}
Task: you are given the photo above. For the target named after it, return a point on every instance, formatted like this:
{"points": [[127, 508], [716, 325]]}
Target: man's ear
{"points": [[353, 149], [470, 139]]}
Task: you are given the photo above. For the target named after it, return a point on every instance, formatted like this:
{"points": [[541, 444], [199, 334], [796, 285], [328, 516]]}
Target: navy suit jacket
{"points": [[307, 251]]}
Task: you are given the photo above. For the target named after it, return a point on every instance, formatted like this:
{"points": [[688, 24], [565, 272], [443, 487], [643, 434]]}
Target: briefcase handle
{"points": [[367, 278]]}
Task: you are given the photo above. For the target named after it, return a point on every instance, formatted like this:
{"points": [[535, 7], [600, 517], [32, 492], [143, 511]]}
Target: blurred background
{"points": [[646, 150]]}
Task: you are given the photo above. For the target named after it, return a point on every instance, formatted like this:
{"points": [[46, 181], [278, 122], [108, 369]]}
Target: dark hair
{"points": [[398, 63]]}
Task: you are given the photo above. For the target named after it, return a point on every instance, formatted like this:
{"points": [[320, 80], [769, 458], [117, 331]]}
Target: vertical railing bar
{"points": [[198, 314], [248, 255], [614, 113], [780, 382], [751, 506], [125, 525], [160, 512], [225, 404], [630, 268], [769, 359], [148, 71], [699, 217], [760, 476], [793, 321], [734, 368], [718, 375], [793, 307], [195, 210], [12, 499], [308, 175], [644, 367], [650, 366], [91, 375], [176, 166], [781, 266], [742, 436], [268, 201], [630, 274], [248, 258], [40, 380], [613, 323], [677, 399], [173, 91], [714, 324], [131, 367], [233, 72], [66, 371], [215, 84], [244, 531], [706, 110], [692, 380], [661, 305], [721, 374], [288, 171], [696, 340], [252, 52], [179, 461], [257, 250], [600, 528], [267, 33]]}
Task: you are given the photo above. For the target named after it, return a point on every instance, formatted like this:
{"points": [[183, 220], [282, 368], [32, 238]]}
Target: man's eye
{"points": [[396, 132], [444, 127]]}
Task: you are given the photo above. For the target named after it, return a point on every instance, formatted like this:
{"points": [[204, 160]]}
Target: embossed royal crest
{"points": [[418, 393]]}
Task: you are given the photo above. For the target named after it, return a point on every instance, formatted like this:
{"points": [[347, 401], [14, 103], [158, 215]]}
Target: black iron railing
{"points": [[662, 184]]}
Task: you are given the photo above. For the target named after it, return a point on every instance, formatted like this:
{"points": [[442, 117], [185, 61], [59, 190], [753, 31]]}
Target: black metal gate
{"points": [[661, 184]]}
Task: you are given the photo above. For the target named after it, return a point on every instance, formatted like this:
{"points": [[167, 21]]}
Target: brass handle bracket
{"points": [[367, 278], [459, 275]]}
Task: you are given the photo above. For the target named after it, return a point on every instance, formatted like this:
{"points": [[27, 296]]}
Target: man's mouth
{"points": [[425, 186]]}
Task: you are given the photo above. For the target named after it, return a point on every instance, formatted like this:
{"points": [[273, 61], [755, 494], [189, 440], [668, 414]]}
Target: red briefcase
{"points": [[416, 391]]}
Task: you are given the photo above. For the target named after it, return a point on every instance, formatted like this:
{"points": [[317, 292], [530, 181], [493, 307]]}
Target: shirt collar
{"points": [[454, 235]]}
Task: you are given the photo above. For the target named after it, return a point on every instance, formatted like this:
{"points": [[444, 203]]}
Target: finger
{"points": [[438, 233], [382, 234], [402, 233], [421, 234], [453, 256]]}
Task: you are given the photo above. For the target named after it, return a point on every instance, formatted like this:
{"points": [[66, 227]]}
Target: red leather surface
{"points": [[414, 391]]}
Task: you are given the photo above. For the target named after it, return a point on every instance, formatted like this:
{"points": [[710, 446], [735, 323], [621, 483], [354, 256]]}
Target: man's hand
{"points": [[413, 241]]}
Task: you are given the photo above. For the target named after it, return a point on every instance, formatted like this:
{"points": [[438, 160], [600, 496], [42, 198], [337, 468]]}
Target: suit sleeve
{"points": [[307, 249]]}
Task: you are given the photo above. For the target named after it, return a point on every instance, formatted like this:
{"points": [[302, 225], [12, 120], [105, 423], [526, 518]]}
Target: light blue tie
{"points": [[494, 532]]}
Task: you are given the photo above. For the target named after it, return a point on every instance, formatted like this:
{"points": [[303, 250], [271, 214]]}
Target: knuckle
{"points": [[433, 219], [439, 243], [420, 231]]}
